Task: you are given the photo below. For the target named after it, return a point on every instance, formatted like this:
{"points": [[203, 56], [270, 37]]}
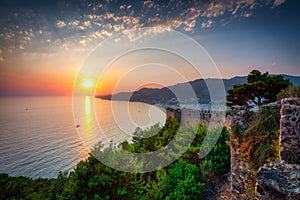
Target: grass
{"points": [[259, 143]]}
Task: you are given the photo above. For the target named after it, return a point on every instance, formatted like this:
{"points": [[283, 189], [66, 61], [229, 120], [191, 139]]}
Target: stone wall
{"points": [[193, 116], [290, 131], [241, 176], [274, 180], [282, 180], [241, 117], [278, 181]]}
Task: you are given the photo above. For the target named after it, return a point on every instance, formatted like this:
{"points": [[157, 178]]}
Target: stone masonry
{"points": [[241, 177], [282, 180], [290, 131], [274, 181]]}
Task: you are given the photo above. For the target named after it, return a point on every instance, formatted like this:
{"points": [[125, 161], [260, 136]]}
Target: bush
{"points": [[220, 154], [238, 132], [260, 140], [228, 112], [207, 169], [291, 91], [183, 182]]}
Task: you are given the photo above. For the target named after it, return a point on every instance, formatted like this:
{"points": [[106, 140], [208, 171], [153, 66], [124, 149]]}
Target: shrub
{"points": [[220, 154], [291, 91], [260, 139]]}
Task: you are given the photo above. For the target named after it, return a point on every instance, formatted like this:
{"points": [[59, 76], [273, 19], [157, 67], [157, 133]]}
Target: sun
{"points": [[87, 84]]}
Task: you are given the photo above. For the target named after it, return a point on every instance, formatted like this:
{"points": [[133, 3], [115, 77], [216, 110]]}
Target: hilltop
{"points": [[166, 96]]}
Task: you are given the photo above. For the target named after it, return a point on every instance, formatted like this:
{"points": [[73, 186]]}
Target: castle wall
{"points": [[282, 180]]}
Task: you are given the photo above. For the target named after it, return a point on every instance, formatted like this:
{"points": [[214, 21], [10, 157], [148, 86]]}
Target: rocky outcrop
{"points": [[241, 117], [278, 181], [274, 180], [241, 176], [224, 192], [290, 131], [282, 180]]}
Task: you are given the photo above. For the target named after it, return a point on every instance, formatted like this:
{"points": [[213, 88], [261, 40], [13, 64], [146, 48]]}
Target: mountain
{"points": [[183, 90]]}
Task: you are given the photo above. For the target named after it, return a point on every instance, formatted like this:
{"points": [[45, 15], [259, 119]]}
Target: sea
{"points": [[43, 135]]}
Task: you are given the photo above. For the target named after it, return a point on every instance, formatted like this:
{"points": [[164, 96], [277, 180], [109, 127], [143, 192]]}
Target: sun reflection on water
{"points": [[89, 121], [87, 109], [97, 123]]}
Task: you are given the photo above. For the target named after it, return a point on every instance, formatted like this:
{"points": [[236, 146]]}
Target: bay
{"points": [[40, 136]]}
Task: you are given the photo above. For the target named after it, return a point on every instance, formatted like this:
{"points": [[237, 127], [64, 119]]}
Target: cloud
{"points": [[60, 24], [33, 30], [81, 27], [218, 8], [189, 25], [278, 2], [214, 9], [97, 34], [109, 15], [87, 23], [74, 23], [107, 26], [106, 33], [246, 14], [83, 41], [176, 23], [173, 15], [65, 46], [207, 24], [138, 33], [117, 27], [132, 22], [148, 4]]}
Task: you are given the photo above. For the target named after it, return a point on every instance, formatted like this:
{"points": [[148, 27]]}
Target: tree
{"points": [[291, 91], [261, 88], [183, 182], [220, 154]]}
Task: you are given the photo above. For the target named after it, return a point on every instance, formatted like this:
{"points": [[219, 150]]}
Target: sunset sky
{"points": [[44, 43]]}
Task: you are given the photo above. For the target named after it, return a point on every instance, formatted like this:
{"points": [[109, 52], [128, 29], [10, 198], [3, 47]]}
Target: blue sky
{"points": [[43, 43]]}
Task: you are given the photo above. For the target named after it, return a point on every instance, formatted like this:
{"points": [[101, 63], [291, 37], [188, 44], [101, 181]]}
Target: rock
{"points": [[290, 130], [274, 180], [241, 116], [242, 178], [278, 181]]}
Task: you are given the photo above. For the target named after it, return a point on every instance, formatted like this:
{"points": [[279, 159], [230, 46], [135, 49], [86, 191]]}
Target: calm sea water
{"points": [[39, 136]]}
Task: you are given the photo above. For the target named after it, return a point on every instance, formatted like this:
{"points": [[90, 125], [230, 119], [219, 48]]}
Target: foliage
{"points": [[26, 188], [238, 132], [207, 169], [152, 139], [183, 182], [261, 88], [291, 91], [94, 180], [260, 140], [228, 112], [91, 179], [220, 154]]}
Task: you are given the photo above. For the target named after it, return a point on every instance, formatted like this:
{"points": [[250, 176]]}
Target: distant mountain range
{"points": [[166, 96]]}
